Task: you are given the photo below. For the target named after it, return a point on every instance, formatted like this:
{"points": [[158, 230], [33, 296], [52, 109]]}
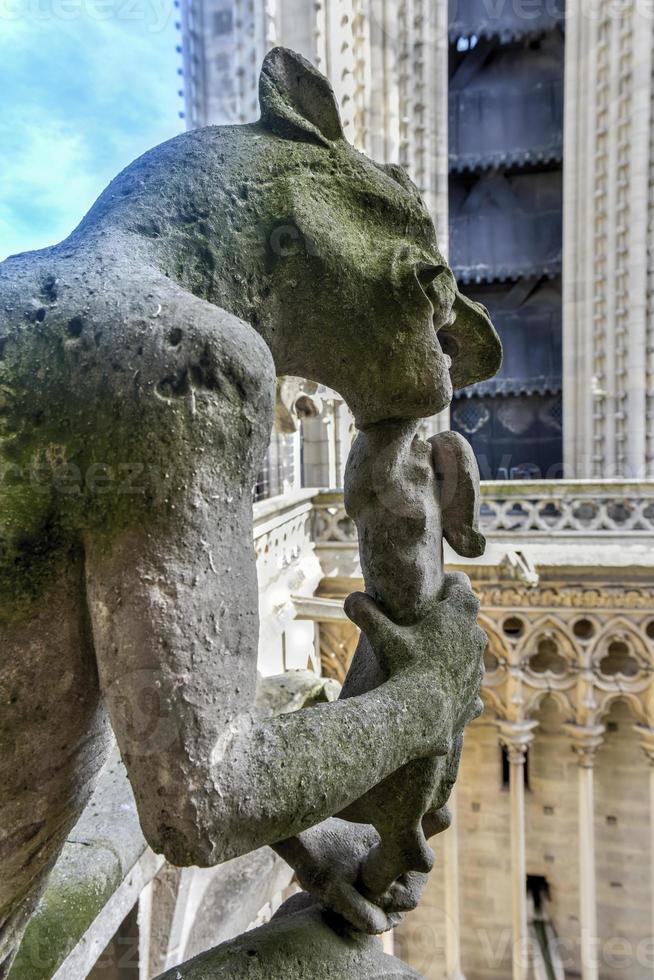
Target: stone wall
{"points": [[622, 855]]}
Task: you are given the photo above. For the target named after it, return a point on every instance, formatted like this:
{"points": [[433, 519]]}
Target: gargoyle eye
{"points": [[377, 203]]}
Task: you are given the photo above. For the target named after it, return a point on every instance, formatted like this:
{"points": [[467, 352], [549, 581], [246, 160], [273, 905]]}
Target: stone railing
{"points": [[287, 566], [102, 870], [330, 522], [282, 532], [576, 508]]}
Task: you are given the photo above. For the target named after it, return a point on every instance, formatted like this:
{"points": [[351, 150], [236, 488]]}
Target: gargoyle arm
{"points": [[212, 781], [172, 596]]}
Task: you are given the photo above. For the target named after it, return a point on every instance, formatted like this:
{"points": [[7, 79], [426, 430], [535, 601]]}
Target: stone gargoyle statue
{"points": [[138, 361]]}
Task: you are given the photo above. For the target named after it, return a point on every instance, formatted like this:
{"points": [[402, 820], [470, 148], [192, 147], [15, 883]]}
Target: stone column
{"points": [[647, 745], [452, 903], [586, 739], [516, 736], [606, 328], [330, 428]]}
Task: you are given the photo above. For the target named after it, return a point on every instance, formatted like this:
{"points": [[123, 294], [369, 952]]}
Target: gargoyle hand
{"points": [[442, 654], [327, 860]]}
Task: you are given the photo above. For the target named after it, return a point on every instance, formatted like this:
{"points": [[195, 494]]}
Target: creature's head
{"points": [[357, 295]]}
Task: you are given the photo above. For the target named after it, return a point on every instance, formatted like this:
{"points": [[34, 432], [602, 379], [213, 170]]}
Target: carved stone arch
{"points": [[562, 633], [497, 648], [610, 631], [620, 659], [493, 702], [534, 701], [631, 699], [545, 630]]}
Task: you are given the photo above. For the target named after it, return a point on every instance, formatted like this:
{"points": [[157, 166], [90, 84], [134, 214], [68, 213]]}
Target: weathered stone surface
{"points": [[297, 944], [283, 693], [102, 848], [235, 897], [457, 476], [137, 375], [400, 491]]}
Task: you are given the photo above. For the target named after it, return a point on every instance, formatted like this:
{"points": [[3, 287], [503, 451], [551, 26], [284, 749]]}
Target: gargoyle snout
{"points": [[472, 343]]}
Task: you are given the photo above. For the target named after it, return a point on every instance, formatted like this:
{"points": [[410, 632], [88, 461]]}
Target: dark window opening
{"points": [[505, 110], [539, 889]]}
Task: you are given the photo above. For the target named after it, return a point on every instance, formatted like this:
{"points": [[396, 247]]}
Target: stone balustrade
{"points": [[287, 565], [112, 902], [576, 507], [534, 508]]}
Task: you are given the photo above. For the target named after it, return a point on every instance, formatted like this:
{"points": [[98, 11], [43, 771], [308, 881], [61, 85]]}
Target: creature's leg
{"points": [[53, 741]]}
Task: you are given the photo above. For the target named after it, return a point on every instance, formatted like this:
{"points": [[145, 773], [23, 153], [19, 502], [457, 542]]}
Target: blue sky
{"points": [[85, 87]]}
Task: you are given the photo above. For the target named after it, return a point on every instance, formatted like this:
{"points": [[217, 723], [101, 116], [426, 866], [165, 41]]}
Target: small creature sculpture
{"points": [[137, 372], [411, 493]]}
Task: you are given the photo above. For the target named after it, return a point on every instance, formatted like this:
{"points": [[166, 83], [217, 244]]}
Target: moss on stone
{"points": [[85, 879]]}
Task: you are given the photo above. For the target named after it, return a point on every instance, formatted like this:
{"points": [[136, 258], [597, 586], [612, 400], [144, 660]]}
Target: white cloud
{"points": [[86, 86], [47, 184]]}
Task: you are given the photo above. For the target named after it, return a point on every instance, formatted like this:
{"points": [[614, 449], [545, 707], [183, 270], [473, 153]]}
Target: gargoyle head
{"points": [[361, 300]]}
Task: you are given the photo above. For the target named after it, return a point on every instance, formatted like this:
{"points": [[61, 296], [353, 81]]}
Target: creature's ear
{"points": [[457, 474], [297, 102]]}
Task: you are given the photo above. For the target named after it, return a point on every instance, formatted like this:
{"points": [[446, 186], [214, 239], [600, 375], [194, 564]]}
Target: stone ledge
{"points": [[105, 847], [106, 863]]}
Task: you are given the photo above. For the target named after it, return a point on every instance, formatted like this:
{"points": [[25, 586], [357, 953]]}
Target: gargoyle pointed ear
{"points": [[297, 102]]}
